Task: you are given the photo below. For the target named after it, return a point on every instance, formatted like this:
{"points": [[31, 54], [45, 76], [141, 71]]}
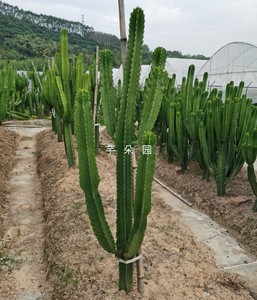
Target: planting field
{"points": [[76, 267]]}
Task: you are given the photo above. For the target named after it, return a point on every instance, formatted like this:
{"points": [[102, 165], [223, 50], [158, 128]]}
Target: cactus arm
{"points": [[89, 178], [62, 97], [107, 91], [188, 90], [125, 128], [205, 150], [65, 69], [79, 73], [221, 170], [153, 99], [253, 183], [227, 119], [144, 178], [252, 178]]}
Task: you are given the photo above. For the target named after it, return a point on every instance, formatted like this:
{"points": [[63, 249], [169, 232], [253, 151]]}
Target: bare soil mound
{"points": [[8, 145]]}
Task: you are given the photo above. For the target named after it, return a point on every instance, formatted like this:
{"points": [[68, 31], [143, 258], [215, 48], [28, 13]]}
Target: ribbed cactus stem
{"points": [[89, 178], [249, 151]]}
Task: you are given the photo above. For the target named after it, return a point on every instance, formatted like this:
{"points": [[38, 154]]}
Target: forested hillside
{"points": [[26, 36]]}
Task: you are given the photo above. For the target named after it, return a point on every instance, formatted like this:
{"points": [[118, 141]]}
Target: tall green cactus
{"points": [[61, 84], [249, 150], [190, 98], [130, 223]]}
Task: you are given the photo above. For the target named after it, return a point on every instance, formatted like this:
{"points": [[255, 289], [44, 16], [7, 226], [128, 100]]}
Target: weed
{"points": [[6, 262], [78, 205], [68, 277]]}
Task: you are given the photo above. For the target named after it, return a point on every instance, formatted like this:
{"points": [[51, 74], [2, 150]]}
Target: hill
{"points": [[26, 36]]}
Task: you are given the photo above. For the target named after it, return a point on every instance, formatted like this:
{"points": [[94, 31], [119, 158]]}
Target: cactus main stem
{"points": [[69, 148], [125, 276]]}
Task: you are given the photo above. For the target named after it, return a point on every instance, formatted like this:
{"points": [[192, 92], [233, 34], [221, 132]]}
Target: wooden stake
{"points": [[96, 84], [95, 101], [123, 36], [139, 263]]}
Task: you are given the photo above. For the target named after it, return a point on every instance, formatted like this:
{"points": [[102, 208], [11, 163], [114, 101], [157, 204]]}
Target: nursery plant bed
{"points": [[176, 265]]}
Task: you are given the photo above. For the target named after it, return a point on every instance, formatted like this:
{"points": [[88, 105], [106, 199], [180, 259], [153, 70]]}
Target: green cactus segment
{"points": [[253, 183], [221, 170], [252, 178], [108, 93], [249, 151], [65, 68], [159, 58], [124, 136], [249, 147], [66, 109], [4, 93], [142, 207], [205, 150], [153, 99], [89, 178], [68, 143]]}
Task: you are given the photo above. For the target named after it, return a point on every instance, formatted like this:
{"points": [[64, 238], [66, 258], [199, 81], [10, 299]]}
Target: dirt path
{"points": [[24, 224]]}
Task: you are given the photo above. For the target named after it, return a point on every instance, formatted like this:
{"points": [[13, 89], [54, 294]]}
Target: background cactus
{"points": [[222, 133], [60, 84], [249, 150], [4, 94], [184, 108]]}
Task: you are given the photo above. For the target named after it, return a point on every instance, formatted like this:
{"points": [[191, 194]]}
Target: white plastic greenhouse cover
{"points": [[178, 66], [236, 62]]}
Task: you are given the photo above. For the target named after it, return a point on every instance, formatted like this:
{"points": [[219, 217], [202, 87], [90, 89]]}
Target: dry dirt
{"points": [[22, 237], [176, 266]]}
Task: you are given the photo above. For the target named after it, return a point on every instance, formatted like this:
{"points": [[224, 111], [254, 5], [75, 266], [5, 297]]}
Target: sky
{"points": [[192, 27]]}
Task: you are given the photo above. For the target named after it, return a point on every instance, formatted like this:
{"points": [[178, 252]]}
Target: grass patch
{"points": [[6, 262], [68, 277]]}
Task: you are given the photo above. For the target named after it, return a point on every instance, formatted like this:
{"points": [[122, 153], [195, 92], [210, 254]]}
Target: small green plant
{"points": [[68, 277], [78, 204], [6, 261]]}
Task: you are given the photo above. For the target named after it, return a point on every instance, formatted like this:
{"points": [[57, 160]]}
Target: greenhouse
{"points": [[236, 62], [178, 66]]}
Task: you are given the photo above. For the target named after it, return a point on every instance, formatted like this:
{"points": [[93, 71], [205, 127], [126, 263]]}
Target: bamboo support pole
{"points": [[96, 84], [139, 262], [123, 36], [95, 101]]}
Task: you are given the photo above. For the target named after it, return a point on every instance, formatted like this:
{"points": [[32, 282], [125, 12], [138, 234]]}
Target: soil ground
{"points": [[176, 265]]}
